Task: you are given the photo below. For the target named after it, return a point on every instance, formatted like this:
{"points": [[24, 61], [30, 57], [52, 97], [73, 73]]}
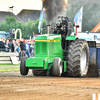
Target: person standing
{"points": [[2, 47], [33, 38], [27, 48], [13, 46], [7, 45], [18, 48], [32, 49], [22, 48], [4, 41], [22, 45]]}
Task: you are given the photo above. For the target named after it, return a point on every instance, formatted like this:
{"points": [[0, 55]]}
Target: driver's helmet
{"points": [[58, 24]]}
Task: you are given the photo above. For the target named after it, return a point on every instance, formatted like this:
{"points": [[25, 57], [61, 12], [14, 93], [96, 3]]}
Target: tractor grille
{"points": [[37, 48], [44, 47], [41, 48]]}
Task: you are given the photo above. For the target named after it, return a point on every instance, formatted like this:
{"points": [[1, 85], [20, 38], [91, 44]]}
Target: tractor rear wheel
{"points": [[39, 72], [78, 58], [57, 68], [23, 69]]}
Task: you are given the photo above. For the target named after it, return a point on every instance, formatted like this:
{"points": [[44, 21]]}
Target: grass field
{"points": [[9, 67]]}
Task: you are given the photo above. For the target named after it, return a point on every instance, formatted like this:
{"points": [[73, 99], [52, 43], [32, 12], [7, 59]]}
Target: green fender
{"points": [[71, 37]]}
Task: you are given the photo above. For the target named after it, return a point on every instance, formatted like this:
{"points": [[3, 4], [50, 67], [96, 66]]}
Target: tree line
{"points": [[27, 29]]}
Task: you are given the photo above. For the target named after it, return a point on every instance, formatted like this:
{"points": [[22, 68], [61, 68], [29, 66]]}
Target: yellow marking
{"points": [[47, 40]]}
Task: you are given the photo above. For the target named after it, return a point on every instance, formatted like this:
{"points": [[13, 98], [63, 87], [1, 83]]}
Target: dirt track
{"points": [[16, 87]]}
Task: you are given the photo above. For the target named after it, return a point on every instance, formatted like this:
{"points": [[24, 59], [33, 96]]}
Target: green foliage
{"points": [[27, 29], [10, 20], [36, 27], [44, 26]]}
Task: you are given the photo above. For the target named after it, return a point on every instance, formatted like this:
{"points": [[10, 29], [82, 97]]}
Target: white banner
{"points": [[78, 19]]}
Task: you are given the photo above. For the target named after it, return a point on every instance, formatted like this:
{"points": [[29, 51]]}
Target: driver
{"points": [[58, 28]]}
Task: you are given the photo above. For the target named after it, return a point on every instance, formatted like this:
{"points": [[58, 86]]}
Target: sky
{"points": [[20, 4]]}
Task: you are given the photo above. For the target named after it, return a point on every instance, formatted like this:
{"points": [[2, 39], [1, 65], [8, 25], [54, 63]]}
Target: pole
{"points": [[41, 31]]}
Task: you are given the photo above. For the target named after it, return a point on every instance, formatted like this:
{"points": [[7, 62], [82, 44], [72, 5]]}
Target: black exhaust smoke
{"points": [[53, 9]]}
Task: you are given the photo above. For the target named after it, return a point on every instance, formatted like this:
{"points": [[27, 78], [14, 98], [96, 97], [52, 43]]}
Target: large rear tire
{"points": [[23, 69], [56, 69], [78, 58]]}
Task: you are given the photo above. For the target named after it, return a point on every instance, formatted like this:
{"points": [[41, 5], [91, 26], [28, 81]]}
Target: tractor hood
{"points": [[48, 37]]}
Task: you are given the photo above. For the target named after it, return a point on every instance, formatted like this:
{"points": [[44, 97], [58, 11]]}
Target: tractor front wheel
{"points": [[23, 69], [57, 68]]}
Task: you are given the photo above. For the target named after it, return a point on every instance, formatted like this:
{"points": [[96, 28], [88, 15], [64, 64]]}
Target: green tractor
{"points": [[58, 53]]}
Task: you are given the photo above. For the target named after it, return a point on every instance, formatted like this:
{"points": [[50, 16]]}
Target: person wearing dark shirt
{"points": [[2, 47], [22, 49], [32, 49], [27, 48], [13, 45], [22, 45], [7, 45]]}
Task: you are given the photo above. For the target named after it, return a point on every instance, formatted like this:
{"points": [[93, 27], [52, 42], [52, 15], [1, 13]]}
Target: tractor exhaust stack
{"points": [[48, 29]]}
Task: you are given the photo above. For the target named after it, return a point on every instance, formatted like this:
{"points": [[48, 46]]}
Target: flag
{"points": [[40, 21], [78, 19]]}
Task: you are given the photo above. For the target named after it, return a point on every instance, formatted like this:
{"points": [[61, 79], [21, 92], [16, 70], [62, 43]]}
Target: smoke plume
{"points": [[53, 9]]}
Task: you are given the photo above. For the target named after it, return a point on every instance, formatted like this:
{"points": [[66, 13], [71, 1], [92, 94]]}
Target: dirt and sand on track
{"points": [[13, 86]]}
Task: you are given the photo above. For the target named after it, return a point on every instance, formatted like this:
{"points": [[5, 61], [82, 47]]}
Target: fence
{"points": [[9, 58]]}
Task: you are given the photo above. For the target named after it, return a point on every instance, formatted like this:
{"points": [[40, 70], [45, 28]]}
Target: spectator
{"points": [[7, 45], [32, 49], [22, 48], [33, 38], [22, 45], [27, 48], [33, 34], [4, 41], [13, 46], [2, 47], [18, 48]]}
